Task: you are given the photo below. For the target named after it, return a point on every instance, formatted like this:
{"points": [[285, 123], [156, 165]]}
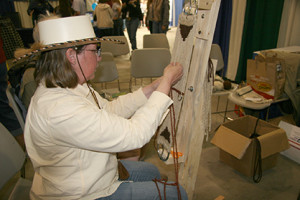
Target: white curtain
{"points": [[236, 33], [22, 6], [290, 24]]}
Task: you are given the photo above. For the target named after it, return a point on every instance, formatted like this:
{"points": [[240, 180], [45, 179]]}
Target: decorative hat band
{"points": [[63, 45], [62, 33]]}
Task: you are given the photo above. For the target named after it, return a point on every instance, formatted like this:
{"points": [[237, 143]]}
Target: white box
{"points": [[293, 134]]}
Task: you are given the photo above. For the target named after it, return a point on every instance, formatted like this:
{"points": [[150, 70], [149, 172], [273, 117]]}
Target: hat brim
{"points": [[63, 45]]}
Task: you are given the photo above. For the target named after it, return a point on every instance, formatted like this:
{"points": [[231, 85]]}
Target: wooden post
{"points": [[192, 112]]}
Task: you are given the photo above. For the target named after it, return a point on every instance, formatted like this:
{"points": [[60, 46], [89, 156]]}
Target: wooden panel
{"points": [[205, 4], [192, 112]]}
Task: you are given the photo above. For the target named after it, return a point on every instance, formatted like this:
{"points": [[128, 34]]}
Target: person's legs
{"points": [[161, 30], [141, 171], [160, 27], [128, 27], [142, 187], [146, 191], [120, 27], [150, 27], [124, 24], [155, 27], [107, 32], [97, 32], [132, 26], [115, 30]]}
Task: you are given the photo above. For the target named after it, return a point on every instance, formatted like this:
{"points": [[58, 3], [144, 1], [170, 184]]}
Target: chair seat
{"points": [[247, 104]]}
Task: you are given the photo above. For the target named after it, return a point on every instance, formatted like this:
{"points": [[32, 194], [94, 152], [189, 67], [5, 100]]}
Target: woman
{"points": [[104, 19], [149, 16], [117, 18], [72, 134], [160, 19], [132, 13]]}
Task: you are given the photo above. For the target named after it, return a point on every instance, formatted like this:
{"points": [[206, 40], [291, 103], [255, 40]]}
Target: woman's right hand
{"points": [[173, 72]]}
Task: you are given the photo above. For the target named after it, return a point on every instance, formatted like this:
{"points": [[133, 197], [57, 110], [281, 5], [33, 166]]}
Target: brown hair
{"points": [[55, 70]]}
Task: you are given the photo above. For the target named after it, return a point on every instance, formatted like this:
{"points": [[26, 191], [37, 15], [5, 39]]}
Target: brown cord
{"points": [[92, 92], [173, 131], [175, 151]]}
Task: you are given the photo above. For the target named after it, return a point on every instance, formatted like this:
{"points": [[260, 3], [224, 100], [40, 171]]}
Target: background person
{"points": [[72, 134], [149, 15], [117, 17], [132, 13], [79, 7], [37, 8], [103, 15], [160, 11]]}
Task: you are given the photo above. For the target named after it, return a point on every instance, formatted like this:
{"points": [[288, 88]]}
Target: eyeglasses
{"points": [[96, 51]]}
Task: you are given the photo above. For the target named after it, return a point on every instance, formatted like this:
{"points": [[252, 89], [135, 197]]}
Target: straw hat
{"points": [[62, 33]]}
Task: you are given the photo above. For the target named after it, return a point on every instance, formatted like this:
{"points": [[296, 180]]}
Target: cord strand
{"points": [[175, 150]]}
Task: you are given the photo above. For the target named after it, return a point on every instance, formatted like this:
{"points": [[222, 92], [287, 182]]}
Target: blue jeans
{"points": [[157, 27], [118, 27], [132, 26], [7, 115], [101, 32], [142, 187]]}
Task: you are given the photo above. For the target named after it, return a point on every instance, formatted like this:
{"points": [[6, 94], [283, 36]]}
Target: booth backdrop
{"points": [[244, 26]]}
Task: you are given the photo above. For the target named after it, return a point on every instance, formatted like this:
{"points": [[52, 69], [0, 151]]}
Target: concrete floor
{"points": [[214, 178]]}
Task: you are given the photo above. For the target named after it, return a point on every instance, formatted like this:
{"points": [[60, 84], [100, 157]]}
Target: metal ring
{"points": [[160, 154], [180, 97]]}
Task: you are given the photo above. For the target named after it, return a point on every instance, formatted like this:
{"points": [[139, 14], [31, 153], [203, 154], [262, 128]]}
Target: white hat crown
{"points": [[65, 29]]}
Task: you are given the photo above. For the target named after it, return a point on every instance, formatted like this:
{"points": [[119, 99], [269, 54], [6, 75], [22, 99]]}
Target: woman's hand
{"points": [[172, 74]]}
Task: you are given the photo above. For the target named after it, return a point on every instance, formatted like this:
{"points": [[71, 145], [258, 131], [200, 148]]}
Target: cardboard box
{"points": [[293, 134], [266, 75], [291, 57], [238, 150]]}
